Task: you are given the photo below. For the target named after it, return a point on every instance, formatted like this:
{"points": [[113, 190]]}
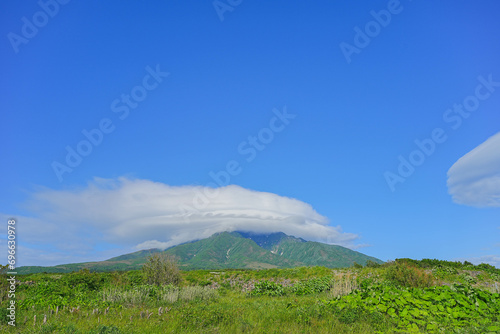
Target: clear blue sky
{"points": [[229, 68]]}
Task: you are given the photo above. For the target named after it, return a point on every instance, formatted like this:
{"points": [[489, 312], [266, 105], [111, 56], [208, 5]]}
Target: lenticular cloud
{"points": [[475, 178], [150, 214]]}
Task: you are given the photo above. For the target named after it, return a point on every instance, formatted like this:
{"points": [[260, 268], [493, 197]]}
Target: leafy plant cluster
{"points": [[444, 272], [268, 288], [74, 289], [467, 278], [313, 285], [58, 294], [304, 287], [427, 309]]}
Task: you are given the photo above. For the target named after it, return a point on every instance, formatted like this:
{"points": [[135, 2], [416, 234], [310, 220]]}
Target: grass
{"points": [[232, 313], [297, 300]]}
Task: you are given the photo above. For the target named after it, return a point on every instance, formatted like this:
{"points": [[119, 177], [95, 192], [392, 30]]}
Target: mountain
{"points": [[228, 250], [309, 253], [232, 250]]}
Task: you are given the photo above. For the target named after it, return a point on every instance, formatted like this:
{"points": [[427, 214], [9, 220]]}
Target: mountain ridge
{"points": [[231, 250]]}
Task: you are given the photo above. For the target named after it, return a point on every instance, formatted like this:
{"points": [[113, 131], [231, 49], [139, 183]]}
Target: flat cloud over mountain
{"points": [[145, 214], [474, 179]]}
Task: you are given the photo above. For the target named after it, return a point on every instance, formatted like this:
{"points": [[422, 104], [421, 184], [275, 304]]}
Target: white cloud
{"points": [[140, 214], [475, 178]]}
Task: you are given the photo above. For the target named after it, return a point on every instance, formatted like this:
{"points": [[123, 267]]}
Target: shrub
{"points": [[86, 279], [372, 264], [161, 269], [468, 279], [135, 277], [407, 275], [350, 315], [268, 288], [313, 285]]}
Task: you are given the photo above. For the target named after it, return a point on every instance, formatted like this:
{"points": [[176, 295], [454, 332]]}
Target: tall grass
{"points": [[343, 284], [145, 294]]}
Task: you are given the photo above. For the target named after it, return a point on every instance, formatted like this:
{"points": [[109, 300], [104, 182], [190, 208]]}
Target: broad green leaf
{"points": [[382, 307]]}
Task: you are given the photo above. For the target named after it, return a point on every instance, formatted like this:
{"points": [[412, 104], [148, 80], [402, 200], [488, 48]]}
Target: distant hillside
{"points": [[232, 250], [309, 253]]}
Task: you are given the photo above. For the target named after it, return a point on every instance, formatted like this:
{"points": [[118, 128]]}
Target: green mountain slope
{"points": [[309, 253], [136, 257], [232, 250], [227, 250], [268, 241], [318, 254]]}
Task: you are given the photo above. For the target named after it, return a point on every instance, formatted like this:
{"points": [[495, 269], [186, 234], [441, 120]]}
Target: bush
{"points": [[268, 288], [357, 265], [407, 275], [86, 279], [350, 315], [372, 264], [135, 277], [313, 285], [161, 269]]}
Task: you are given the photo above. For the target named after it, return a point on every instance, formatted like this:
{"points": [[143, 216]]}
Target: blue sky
{"points": [[304, 110]]}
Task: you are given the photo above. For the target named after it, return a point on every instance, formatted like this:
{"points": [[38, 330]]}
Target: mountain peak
{"points": [[270, 240], [238, 249]]}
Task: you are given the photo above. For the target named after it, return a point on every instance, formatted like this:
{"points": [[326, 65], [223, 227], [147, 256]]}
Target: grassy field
{"points": [[405, 296]]}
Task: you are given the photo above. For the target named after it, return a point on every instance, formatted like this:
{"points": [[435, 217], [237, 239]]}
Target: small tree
{"points": [[372, 264], [357, 265], [160, 269]]}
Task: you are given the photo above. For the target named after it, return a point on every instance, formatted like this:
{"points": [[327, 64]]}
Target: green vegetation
{"points": [[404, 296], [161, 269], [408, 275], [429, 309]]}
